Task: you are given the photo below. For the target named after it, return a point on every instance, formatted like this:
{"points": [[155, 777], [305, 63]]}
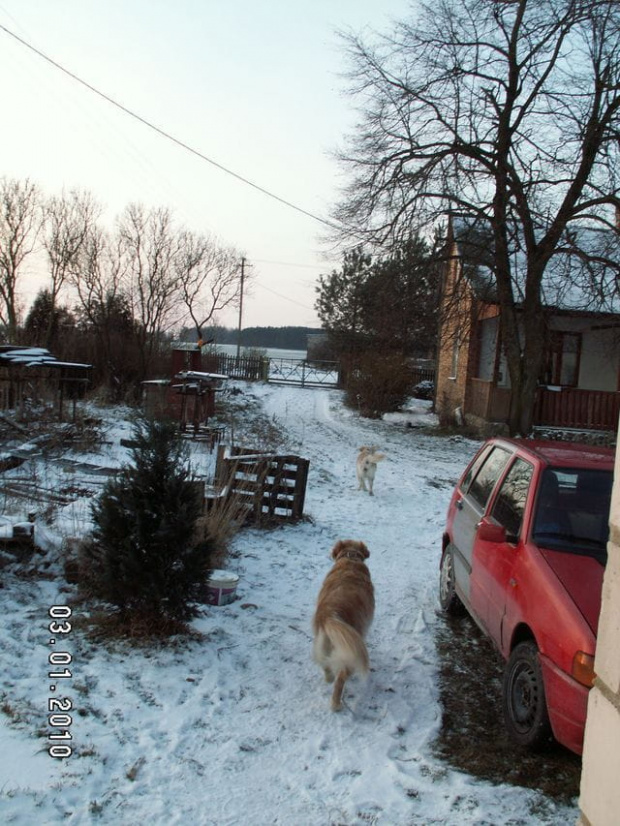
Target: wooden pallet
{"points": [[273, 486]]}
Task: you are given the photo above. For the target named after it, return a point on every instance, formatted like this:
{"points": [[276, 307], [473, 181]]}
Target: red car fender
{"points": [[537, 599]]}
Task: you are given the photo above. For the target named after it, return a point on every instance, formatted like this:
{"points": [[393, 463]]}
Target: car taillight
{"points": [[583, 668]]}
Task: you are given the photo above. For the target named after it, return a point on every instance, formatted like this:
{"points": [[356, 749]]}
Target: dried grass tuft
{"points": [[222, 519]]}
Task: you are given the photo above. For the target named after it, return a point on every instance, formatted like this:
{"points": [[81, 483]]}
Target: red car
{"points": [[524, 551]]}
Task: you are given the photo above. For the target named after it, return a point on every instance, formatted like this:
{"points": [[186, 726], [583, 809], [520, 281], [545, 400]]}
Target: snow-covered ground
{"points": [[235, 727]]}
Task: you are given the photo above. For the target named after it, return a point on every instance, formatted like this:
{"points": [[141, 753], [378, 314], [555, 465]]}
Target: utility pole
{"points": [[240, 307]]}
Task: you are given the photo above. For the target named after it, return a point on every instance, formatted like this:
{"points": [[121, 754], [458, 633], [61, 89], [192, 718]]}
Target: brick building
{"points": [[581, 380]]}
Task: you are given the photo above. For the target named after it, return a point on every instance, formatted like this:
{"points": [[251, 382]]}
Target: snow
{"points": [[234, 726]]}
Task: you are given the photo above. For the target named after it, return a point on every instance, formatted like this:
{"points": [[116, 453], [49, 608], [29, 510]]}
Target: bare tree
{"points": [[99, 271], [104, 310], [20, 224], [149, 246], [68, 220], [508, 111], [208, 276]]}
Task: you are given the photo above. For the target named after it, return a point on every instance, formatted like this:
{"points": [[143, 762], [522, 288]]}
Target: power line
{"points": [[281, 295], [165, 134], [290, 264]]}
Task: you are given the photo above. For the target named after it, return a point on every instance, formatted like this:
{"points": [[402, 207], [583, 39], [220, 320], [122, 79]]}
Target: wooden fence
{"points": [[572, 408], [251, 368], [272, 487]]}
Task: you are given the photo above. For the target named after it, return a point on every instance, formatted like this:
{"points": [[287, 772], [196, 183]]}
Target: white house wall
{"points": [[600, 786], [600, 362]]}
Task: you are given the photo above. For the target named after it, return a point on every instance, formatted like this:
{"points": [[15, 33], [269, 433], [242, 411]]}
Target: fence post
{"points": [[265, 369]]}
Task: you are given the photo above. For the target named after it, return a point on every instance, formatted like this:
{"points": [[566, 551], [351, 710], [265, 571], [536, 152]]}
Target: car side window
{"points": [[509, 506], [487, 476], [474, 468]]}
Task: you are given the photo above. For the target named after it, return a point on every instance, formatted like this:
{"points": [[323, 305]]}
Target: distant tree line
{"points": [[285, 338], [110, 297]]}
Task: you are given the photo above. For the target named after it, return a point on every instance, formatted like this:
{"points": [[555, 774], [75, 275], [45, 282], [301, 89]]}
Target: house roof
{"points": [[578, 278]]}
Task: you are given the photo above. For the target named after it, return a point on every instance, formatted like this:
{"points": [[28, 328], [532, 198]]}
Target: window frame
{"points": [[513, 538], [556, 354], [496, 450]]}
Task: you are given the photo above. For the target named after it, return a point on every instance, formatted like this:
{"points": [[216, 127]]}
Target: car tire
{"points": [[523, 698], [448, 599]]}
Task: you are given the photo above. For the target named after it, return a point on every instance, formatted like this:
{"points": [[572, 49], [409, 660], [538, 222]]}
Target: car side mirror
{"points": [[490, 532]]}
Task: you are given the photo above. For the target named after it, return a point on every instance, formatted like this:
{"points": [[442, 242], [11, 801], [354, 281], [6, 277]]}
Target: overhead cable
{"points": [[165, 134]]}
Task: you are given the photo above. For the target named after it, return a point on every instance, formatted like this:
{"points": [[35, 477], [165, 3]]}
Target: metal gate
{"points": [[304, 373]]}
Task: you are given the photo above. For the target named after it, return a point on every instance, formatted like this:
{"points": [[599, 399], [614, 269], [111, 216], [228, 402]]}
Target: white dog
{"points": [[367, 466]]}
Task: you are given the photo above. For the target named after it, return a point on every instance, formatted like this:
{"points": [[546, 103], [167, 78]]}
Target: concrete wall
{"points": [[600, 780]]}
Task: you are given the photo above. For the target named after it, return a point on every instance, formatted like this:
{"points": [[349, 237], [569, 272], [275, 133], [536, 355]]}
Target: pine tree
{"points": [[147, 562]]}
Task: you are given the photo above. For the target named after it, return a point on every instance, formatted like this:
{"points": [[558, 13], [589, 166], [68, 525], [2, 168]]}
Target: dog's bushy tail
{"points": [[348, 649]]}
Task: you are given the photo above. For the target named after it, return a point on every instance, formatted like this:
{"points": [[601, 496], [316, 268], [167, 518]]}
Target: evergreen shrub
{"points": [[145, 558], [378, 383]]}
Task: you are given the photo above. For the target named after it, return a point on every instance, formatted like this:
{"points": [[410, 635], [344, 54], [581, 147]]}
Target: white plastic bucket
{"points": [[221, 587]]}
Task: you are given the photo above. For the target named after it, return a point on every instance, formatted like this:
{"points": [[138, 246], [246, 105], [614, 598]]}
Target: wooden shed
{"points": [[33, 375]]}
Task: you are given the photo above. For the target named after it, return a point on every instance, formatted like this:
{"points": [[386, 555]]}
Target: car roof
{"points": [[563, 454]]}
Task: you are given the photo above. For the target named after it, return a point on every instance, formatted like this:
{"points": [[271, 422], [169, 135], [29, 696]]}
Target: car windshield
{"points": [[572, 511]]}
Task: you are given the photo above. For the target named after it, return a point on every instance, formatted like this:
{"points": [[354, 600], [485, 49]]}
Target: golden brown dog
{"points": [[344, 611], [366, 467]]}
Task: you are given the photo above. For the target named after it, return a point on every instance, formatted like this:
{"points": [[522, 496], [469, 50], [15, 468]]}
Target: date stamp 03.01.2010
{"points": [[58, 707]]}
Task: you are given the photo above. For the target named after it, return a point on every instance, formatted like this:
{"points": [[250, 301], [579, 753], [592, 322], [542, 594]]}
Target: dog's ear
{"points": [[337, 548]]}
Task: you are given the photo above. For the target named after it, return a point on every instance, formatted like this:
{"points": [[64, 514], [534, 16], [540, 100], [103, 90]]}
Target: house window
{"points": [[562, 366], [456, 344], [487, 344]]}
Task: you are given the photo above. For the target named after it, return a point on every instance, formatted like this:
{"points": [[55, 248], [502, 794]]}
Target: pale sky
{"points": [[254, 86]]}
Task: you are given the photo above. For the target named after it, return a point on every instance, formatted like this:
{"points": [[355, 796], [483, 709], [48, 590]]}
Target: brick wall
{"points": [[456, 310]]}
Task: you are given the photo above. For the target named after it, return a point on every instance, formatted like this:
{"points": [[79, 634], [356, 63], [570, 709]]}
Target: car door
{"points": [[494, 562], [470, 505]]}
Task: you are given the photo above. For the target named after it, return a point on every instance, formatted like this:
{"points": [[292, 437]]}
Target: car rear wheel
{"points": [[448, 598], [523, 698]]}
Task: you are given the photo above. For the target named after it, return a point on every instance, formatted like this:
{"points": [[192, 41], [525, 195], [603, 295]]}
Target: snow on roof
{"points": [[196, 374], [579, 276], [35, 357]]}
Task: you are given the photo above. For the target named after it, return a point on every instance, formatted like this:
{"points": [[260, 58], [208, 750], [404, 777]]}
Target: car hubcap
{"points": [[525, 696]]}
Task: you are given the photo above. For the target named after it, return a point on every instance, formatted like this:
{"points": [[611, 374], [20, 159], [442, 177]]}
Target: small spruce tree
{"points": [[146, 559]]}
